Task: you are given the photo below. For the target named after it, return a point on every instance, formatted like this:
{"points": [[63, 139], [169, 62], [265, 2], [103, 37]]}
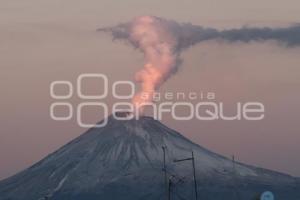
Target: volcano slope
{"points": [[124, 160]]}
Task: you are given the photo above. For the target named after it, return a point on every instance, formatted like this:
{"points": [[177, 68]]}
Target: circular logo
{"points": [[267, 196]]}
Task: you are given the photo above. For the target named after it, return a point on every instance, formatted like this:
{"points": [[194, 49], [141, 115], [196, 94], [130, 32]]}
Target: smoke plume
{"points": [[162, 42]]}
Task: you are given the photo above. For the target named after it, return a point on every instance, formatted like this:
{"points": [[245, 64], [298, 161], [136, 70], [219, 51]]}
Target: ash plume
{"points": [[162, 41]]}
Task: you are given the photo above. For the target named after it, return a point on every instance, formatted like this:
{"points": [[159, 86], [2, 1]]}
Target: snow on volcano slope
{"points": [[124, 160]]}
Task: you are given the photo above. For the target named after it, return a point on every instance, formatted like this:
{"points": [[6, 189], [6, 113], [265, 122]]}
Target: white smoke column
{"points": [[158, 45], [161, 41]]}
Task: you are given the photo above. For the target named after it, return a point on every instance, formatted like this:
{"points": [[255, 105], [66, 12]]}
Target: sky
{"points": [[44, 41]]}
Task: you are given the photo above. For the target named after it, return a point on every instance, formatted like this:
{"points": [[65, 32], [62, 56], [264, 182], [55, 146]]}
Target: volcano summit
{"points": [[124, 160]]}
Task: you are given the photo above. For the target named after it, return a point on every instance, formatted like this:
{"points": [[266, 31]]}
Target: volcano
{"points": [[124, 160]]}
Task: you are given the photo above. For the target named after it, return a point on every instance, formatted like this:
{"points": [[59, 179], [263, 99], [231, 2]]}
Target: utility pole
{"points": [[195, 181], [169, 189], [233, 165], [234, 178], [167, 184], [194, 171]]}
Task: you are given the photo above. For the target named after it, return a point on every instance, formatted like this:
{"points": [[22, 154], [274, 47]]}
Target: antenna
{"points": [[234, 178], [194, 172], [233, 162], [167, 184], [169, 189]]}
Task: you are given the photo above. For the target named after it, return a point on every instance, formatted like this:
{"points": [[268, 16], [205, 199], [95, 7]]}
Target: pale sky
{"points": [[42, 41]]}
